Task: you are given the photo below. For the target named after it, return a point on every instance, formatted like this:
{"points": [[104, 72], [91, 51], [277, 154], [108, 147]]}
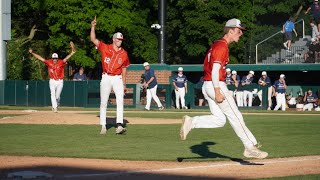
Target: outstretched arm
{"points": [[93, 32], [68, 57], [36, 55]]}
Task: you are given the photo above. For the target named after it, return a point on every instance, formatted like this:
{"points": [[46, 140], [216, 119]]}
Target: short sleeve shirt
{"points": [[147, 76], [113, 61], [266, 80], [180, 80], [81, 77], [311, 98], [288, 26], [218, 53], [279, 86], [56, 71]]}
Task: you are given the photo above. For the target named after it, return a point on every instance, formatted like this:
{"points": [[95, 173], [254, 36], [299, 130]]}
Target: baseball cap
{"points": [[234, 23], [146, 64], [55, 56], [118, 35], [228, 69], [180, 69], [264, 73], [282, 76], [251, 72], [234, 72]]}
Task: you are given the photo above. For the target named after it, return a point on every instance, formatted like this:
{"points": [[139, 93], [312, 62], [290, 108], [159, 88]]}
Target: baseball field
{"points": [[68, 145]]}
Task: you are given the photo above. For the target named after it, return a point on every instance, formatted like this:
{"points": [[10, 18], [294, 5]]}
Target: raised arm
{"points": [[93, 32], [68, 57], [36, 55]]}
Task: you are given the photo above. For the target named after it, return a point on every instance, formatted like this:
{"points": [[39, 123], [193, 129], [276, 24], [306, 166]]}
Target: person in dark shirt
{"points": [[80, 76], [309, 99], [151, 84]]}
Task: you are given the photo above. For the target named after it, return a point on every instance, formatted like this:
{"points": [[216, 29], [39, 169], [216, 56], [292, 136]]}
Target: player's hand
{"points": [[30, 50], [94, 22], [73, 47], [146, 85], [124, 90], [219, 97], [186, 91], [177, 89]]}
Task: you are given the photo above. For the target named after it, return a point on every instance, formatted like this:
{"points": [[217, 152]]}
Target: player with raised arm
{"points": [[115, 61], [56, 74], [220, 101]]}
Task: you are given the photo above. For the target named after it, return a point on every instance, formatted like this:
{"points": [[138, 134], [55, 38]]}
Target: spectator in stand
{"points": [[265, 81], [310, 99], [287, 29], [313, 53], [315, 9], [315, 32], [279, 91], [247, 93], [80, 76]]}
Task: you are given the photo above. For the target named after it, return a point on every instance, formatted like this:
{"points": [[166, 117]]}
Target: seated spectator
{"points": [[80, 76], [313, 53], [310, 99], [315, 32]]}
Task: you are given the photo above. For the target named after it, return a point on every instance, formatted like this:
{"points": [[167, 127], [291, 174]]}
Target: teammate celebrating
{"points": [[215, 91], [56, 74], [115, 61]]}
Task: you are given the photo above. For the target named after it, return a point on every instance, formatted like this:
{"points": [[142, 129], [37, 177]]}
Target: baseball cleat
{"points": [[120, 130], [185, 127], [255, 153], [161, 108], [103, 130], [55, 110]]}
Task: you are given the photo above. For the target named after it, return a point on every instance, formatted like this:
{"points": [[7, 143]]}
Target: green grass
{"points": [[281, 136], [302, 177]]}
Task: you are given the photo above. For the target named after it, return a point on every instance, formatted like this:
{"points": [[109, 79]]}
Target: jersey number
{"points": [[107, 60]]}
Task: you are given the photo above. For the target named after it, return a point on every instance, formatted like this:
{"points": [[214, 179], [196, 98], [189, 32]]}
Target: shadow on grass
{"points": [[203, 150]]}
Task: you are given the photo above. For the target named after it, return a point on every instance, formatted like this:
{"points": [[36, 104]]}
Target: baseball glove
{"points": [[73, 47]]}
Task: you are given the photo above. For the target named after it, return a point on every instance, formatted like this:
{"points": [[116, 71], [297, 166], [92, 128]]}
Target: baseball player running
{"points": [[279, 91], [220, 101], [56, 74], [115, 61], [181, 88], [150, 82]]}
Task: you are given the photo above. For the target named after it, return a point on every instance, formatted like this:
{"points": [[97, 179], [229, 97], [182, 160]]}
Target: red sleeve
{"points": [[219, 54], [101, 46], [47, 61]]}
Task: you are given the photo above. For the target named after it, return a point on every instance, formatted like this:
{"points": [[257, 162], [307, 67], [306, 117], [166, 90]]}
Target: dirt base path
{"points": [[74, 168]]}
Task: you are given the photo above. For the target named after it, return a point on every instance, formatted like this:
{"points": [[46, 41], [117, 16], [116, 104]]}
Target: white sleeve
{"points": [[215, 74]]}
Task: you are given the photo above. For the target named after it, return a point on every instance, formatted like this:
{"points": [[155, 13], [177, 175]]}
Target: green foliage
{"points": [[192, 26]]}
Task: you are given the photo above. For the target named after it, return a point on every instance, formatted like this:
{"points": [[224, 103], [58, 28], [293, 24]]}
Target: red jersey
{"points": [[56, 71], [218, 53], [113, 61]]}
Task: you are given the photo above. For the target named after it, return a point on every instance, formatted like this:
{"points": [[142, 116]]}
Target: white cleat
{"points": [[55, 110], [185, 127], [254, 152], [103, 130], [120, 130]]}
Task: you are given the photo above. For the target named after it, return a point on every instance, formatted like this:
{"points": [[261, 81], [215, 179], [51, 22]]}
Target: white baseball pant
{"points": [[106, 85], [281, 101], [308, 106], [55, 91], [269, 96], [220, 111], [180, 93], [249, 95], [152, 93], [239, 96]]}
